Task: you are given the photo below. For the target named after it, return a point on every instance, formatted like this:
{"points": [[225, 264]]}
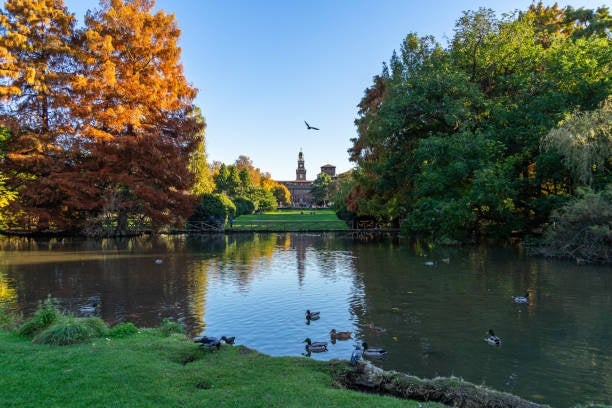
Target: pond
{"points": [[435, 305]]}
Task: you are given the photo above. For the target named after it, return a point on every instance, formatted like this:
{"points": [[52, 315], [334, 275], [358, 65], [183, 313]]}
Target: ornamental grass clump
{"points": [[45, 315], [71, 330]]}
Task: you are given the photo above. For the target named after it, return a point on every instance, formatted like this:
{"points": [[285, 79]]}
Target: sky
{"points": [[263, 67]]}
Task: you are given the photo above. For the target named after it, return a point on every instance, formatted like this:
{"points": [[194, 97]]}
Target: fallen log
{"points": [[453, 391]]}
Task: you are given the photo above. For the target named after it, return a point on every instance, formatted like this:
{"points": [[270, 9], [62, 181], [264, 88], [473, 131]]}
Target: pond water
{"points": [[436, 306]]}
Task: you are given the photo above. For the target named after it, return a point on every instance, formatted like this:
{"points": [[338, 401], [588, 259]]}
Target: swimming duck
{"points": [[493, 339], [89, 310], [336, 335], [377, 329], [315, 346], [312, 315], [159, 261], [372, 352], [521, 299], [208, 342]]}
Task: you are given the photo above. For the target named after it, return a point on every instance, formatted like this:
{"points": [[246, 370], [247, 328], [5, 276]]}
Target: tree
{"points": [[584, 141], [137, 127], [37, 61], [198, 165], [320, 189]]}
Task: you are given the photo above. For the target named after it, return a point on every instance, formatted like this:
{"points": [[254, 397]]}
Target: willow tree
{"points": [[36, 63], [134, 107]]}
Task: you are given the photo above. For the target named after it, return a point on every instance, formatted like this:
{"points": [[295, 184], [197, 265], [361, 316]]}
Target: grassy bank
{"points": [[290, 220], [148, 369]]}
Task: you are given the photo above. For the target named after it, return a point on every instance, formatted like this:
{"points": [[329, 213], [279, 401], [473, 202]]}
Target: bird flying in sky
{"points": [[308, 127]]}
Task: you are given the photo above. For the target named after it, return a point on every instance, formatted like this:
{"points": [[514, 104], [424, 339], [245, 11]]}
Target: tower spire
{"points": [[300, 172]]}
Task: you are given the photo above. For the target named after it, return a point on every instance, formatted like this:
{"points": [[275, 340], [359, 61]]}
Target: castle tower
{"points": [[300, 172]]}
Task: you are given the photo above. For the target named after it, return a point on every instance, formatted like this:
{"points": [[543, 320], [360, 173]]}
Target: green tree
{"points": [[320, 189], [203, 179], [584, 141]]}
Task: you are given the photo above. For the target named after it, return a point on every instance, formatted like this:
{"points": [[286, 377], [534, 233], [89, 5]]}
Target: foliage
{"points": [[203, 181], [584, 141], [168, 327], [214, 207], [581, 229], [71, 330], [46, 314], [244, 206], [449, 140], [102, 121], [122, 329], [8, 318], [321, 189]]}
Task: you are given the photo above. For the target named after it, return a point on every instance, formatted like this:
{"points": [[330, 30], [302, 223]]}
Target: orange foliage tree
{"points": [[123, 158], [36, 63]]}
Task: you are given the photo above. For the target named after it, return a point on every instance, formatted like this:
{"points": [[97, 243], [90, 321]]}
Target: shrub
{"points": [[581, 229], [45, 315], [97, 325], [213, 208], [123, 330], [168, 327], [244, 206], [69, 330]]}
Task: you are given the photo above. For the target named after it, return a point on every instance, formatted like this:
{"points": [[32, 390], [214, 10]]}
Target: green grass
{"points": [[147, 369], [291, 220]]}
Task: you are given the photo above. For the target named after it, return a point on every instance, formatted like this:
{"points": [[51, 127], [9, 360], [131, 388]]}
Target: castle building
{"points": [[300, 187]]}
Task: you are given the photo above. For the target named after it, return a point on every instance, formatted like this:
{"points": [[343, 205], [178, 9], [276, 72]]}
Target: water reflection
{"points": [[435, 306]]}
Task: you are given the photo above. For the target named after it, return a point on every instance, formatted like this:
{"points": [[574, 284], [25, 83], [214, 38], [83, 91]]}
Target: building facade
{"points": [[300, 187]]}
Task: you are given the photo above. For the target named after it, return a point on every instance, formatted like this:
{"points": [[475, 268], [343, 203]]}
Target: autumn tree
{"points": [[137, 131], [37, 62]]}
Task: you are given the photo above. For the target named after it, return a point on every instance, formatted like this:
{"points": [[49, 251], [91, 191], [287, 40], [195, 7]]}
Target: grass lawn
{"points": [[291, 220], [149, 370]]}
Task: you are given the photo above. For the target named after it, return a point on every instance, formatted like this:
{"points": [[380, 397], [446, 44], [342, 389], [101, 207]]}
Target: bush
{"points": [[214, 207], [97, 326], [168, 327], [123, 330], [244, 206], [45, 315], [581, 229], [69, 330]]}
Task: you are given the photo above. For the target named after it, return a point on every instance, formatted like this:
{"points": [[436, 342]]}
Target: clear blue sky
{"points": [[263, 67]]}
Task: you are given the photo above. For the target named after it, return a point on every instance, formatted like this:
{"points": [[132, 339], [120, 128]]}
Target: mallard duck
{"points": [[372, 352], [89, 310], [493, 339], [208, 342], [315, 346], [336, 335], [377, 329], [521, 299], [228, 340], [312, 315]]}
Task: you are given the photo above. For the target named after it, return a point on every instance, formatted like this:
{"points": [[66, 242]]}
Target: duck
{"points": [[159, 261], [342, 335], [493, 339], [356, 355], [88, 310], [369, 352], [208, 342], [377, 329], [521, 299], [315, 346], [228, 340], [312, 315]]}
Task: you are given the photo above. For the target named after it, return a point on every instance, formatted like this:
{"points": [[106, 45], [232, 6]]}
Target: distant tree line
{"points": [[488, 137]]}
